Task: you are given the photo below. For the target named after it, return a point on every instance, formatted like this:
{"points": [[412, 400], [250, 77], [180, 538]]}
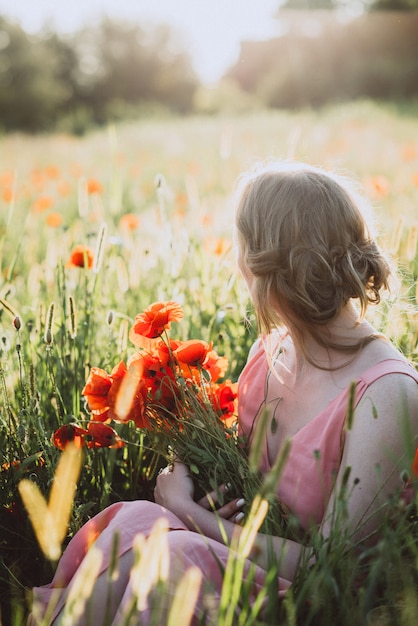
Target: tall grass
{"points": [[153, 203]]}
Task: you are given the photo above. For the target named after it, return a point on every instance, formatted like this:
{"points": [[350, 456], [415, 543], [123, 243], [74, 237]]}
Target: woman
{"points": [[312, 268]]}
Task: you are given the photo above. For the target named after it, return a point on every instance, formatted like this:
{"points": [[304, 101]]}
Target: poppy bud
{"points": [[404, 476], [17, 322], [109, 318]]}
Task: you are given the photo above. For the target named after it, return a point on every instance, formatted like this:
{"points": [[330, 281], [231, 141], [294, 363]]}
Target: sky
{"points": [[212, 29]]}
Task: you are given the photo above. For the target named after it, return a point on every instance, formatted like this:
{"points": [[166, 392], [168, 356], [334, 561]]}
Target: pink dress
{"points": [[305, 486]]}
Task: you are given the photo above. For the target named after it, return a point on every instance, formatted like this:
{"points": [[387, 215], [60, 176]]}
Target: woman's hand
{"points": [[231, 511], [174, 490], [174, 487]]}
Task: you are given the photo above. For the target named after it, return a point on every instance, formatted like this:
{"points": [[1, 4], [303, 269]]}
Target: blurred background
{"points": [[72, 66]]}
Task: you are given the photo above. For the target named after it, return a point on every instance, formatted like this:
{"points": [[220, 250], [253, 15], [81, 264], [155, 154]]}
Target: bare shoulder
{"points": [[386, 416], [270, 342], [395, 391], [392, 389], [379, 442], [391, 397], [254, 348]]}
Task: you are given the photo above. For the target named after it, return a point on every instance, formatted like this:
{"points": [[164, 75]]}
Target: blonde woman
{"points": [[312, 268]]}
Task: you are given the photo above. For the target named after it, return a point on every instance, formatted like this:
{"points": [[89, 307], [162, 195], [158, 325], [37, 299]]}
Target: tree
{"points": [[372, 56], [113, 66], [394, 5], [309, 4], [34, 78], [374, 5], [122, 62]]}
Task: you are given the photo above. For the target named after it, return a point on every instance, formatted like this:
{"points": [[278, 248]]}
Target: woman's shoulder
{"points": [[388, 396], [382, 374], [393, 380], [268, 344], [391, 386], [383, 351], [254, 348], [381, 354]]}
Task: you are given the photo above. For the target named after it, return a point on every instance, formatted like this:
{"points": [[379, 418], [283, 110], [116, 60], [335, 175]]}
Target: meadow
{"points": [[95, 229]]}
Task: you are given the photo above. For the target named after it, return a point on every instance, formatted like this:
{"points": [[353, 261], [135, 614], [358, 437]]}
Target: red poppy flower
{"points": [[146, 363], [224, 396], [378, 186], [157, 376], [69, 433], [94, 186], [156, 319], [192, 352], [96, 390], [216, 365], [7, 194], [52, 172], [80, 256], [54, 219], [102, 436], [41, 204], [164, 351], [137, 395], [129, 221], [31, 464], [217, 247], [118, 372], [102, 390]]}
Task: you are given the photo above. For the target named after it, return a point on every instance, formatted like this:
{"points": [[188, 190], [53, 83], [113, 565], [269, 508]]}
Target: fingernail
{"points": [[228, 486], [240, 503], [239, 516]]}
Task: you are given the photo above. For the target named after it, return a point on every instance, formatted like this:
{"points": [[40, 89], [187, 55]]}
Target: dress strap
{"points": [[389, 366]]}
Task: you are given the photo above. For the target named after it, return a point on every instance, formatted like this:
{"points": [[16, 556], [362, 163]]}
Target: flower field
{"points": [[92, 232]]}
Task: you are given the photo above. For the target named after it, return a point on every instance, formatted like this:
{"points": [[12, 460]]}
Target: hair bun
{"points": [[304, 238]]}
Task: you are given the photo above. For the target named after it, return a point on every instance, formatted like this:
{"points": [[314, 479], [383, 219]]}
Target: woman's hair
{"points": [[303, 238]]}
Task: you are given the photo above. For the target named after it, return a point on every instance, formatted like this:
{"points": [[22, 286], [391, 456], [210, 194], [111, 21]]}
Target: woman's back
{"points": [[310, 409]]}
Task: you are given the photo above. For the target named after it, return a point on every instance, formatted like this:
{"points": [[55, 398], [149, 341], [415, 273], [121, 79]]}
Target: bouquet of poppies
{"points": [[176, 391]]}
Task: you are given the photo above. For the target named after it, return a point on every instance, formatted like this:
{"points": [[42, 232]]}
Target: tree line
{"points": [[324, 59], [368, 5], [117, 69], [89, 77]]}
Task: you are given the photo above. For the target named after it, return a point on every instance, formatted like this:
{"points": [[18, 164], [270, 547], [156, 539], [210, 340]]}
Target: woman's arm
{"points": [[385, 425], [174, 491]]}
